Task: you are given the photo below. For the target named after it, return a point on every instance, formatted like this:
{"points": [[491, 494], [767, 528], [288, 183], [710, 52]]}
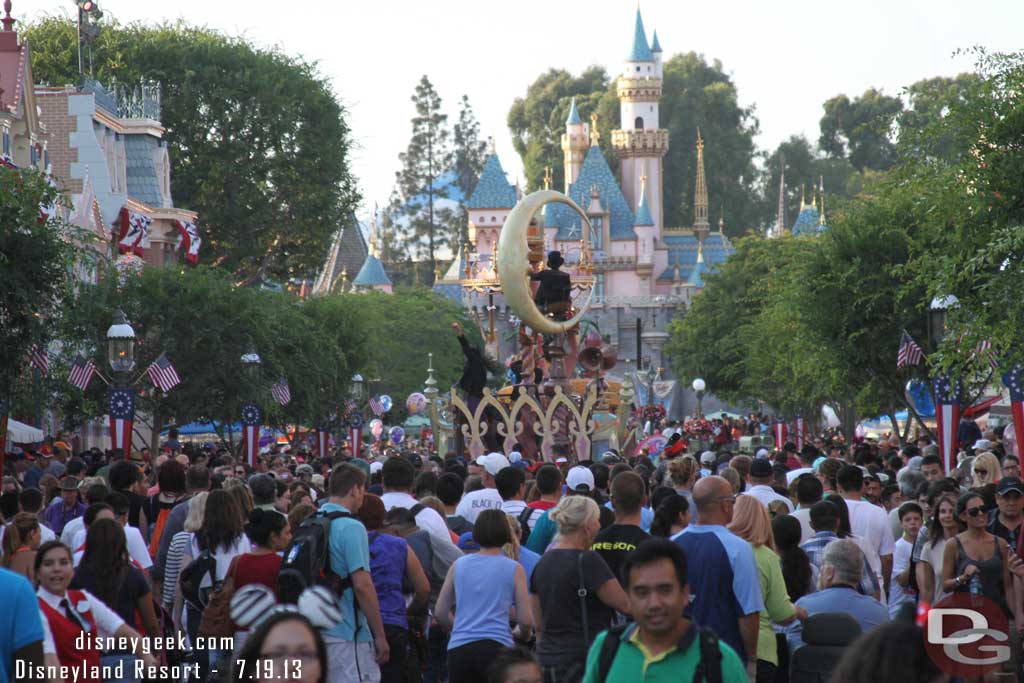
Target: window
{"points": [[652, 108], [599, 286], [597, 233], [6, 143], [639, 123], [493, 219], [638, 68], [648, 68]]}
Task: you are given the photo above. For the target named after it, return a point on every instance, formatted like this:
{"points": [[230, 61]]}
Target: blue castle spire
{"points": [[574, 114], [643, 214], [641, 51], [655, 45]]}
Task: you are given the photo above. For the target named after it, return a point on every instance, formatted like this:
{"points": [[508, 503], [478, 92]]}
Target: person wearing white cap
{"points": [[579, 481], [707, 461], [487, 498]]}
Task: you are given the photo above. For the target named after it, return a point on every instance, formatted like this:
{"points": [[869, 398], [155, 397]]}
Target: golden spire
{"points": [[700, 251], [594, 135], [803, 204], [700, 195], [547, 177], [465, 256]]}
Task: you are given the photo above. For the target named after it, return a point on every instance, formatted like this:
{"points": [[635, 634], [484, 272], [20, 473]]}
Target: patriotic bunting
{"points": [[122, 416], [1013, 381], [779, 430], [133, 232], [947, 418], [252, 416], [189, 240]]}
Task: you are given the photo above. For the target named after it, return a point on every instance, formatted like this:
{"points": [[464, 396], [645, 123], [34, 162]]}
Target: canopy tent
{"points": [[19, 432], [196, 428], [721, 415]]}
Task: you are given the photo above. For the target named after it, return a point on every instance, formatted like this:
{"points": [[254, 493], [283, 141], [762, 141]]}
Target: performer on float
{"points": [[554, 299], [473, 382]]}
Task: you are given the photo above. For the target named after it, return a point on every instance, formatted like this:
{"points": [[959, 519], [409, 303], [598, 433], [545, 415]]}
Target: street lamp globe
{"points": [[251, 362], [938, 313], [358, 386], [698, 385], [121, 344]]}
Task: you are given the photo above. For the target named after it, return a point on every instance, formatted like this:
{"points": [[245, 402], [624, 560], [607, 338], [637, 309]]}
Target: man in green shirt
{"points": [[662, 645]]}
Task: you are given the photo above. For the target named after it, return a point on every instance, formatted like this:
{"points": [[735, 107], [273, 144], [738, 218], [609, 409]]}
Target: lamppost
{"points": [[121, 356], [698, 388], [430, 391], [356, 392], [252, 416], [946, 388], [938, 315], [358, 388]]}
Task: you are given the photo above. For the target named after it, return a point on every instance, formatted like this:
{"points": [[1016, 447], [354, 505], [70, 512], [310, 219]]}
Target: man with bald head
{"points": [[724, 581]]}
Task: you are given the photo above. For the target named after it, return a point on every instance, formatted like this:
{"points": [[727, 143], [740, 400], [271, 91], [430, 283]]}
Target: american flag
{"points": [[376, 406], [350, 406], [910, 353], [985, 348], [81, 372], [39, 358], [1013, 381], [281, 392], [163, 374]]}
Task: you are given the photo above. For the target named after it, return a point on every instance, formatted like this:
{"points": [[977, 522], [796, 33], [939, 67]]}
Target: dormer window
{"points": [[638, 68], [639, 123]]}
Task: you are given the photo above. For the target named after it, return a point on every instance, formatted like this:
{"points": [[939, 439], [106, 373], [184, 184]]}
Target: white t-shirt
{"points": [[900, 561], [766, 494], [67, 535], [137, 548], [222, 556], [514, 508], [427, 519], [803, 515], [475, 502], [871, 524], [793, 474]]}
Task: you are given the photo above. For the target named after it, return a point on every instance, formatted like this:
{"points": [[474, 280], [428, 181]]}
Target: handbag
{"points": [[215, 621]]}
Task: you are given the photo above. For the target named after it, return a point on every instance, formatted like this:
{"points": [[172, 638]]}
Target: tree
{"points": [[859, 129], [928, 101], [36, 257], [469, 158], [259, 144], [427, 156]]}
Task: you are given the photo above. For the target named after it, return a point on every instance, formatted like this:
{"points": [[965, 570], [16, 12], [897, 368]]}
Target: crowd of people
{"points": [[713, 566]]}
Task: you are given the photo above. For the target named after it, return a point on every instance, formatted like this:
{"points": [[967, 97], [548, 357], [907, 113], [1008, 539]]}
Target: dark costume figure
{"points": [[554, 295], [473, 381]]}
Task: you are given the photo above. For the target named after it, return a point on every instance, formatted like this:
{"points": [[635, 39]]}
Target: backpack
{"points": [[307, 560], [524, 526], [709, 669], [192, 577]]}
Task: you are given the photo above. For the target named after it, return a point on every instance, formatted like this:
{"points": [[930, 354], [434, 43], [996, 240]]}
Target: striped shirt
{"points": [[815, 549]]}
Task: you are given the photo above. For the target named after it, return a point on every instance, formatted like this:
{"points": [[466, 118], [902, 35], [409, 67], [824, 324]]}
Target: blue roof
{"points": [[143, 184], [641, 51], [696, 278], [372, 273], [594, 171], [682, 252], [655, 45], [807, 222], [451, 290], [643, 214], [493, 191], [574, 114]]}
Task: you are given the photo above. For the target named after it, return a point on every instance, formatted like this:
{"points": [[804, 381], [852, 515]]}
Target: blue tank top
{"points": [[387, 567], [484, 593]]}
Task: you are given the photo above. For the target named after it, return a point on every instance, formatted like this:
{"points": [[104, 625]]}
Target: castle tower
{"points": [[780, 221], [640, 142], [701, 226], [575, 143]]}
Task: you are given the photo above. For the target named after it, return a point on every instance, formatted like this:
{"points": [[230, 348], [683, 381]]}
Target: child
{"points": [[911, 518]]}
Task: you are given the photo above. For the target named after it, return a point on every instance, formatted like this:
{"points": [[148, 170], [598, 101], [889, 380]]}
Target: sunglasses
{"points": [[975, 511], [981, 472]]}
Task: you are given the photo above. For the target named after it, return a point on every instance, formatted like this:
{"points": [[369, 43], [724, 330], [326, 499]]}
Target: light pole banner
{"points": [[122, 417], [251, 418], [947, 418], [779, 430], [1012, 380], [799, 433]]}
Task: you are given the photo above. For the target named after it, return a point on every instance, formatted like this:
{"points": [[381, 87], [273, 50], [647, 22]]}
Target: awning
{"points": [[981, 407], [19, 432]]}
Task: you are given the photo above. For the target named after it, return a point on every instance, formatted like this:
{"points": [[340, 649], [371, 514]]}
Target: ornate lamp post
{"points": [[430, 391], [252, 416], [698, 388], [121, 356], [938, 315], [356, 392]]}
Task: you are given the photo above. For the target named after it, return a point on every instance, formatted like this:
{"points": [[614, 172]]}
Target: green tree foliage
{"points": [[428, 155], [470, 152], [695, 94], [35, 274], [402, 328], [204, 323], [259, 144], [928, 101], [859, 129], [537, 121]]}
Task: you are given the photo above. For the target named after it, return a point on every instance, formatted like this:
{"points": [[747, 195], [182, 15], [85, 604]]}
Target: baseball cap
{"points": [[708, 458], [514, 457], [376, 466], [982, 445], [761, 453], [493, 463], [466, 542], [361, 464], [561, 459], [1007, 484], [580, 479], [761, 468]]}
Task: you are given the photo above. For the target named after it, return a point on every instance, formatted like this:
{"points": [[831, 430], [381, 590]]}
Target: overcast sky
{"points": [[786, 56]]}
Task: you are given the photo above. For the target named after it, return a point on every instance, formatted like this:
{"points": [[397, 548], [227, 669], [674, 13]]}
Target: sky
{"points": [[786, 56]]}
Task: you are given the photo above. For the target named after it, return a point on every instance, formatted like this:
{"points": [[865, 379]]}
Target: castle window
{"points": [[652, 108], [638, 68], [648, 68], [493, 219], [639, 123]]}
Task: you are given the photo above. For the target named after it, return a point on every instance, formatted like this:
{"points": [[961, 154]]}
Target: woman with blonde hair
{"points": [[751, 522], [179, 542], [21, 541], [986, 470], [682, 474], [243, 497], [573, 592]]}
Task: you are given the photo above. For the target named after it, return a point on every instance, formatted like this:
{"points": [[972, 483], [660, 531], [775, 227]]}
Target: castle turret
{"points": [[640, 142], [575, 143], [701, 226]]}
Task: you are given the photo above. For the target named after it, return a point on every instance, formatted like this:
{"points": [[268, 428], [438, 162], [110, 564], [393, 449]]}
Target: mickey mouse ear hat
{"points": [[253, 603]]}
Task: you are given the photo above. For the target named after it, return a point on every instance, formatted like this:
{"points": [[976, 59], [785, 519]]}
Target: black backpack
{"points": [[191, 579], [307, 560], [524, 526], [709, 669]]}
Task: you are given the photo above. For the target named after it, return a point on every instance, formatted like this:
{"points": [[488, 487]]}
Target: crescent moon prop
{"points": [[514, 266]]}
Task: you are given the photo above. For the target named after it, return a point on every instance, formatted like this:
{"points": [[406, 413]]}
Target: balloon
{"points": [[593, 340], [416, 403], [385, 402], [397, 434], [376, 428]]}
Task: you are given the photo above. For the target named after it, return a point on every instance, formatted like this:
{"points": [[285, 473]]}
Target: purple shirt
{"points": [[387, 567], [57, 515]]}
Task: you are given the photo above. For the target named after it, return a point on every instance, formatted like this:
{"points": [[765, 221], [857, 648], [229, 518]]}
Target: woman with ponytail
{"points": [[21, 541]]}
